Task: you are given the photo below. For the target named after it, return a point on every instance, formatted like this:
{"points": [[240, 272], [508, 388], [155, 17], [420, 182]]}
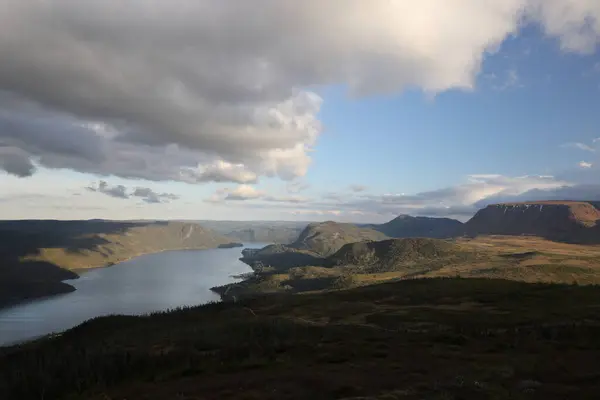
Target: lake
{"points": [[144, 284]]}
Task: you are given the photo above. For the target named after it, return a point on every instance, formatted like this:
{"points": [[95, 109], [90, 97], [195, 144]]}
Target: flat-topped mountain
{"points": [[573, 221], [36, 255], [405, 226]]}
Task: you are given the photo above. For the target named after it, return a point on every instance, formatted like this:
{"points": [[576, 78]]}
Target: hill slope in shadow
{"points": [[37, 255]]}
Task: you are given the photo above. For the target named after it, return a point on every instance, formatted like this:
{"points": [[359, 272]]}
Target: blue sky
{"points": [[457, 110], [425, 144]]}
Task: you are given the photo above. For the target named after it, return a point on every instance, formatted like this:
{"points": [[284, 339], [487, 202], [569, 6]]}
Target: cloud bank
{"points": [[460, 201], [204, 90]]}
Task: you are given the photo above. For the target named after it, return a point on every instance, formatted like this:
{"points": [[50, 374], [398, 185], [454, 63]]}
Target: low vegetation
{"points": [[527, 259], [416, 339]]}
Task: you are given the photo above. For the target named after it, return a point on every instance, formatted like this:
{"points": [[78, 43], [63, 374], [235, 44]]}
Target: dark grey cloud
{"points": [[358, 188], [151, 197], [95, 87], [15, 162], [122, 192], [118, 191]]}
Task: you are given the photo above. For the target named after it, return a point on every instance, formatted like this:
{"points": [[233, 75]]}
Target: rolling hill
{"points": [[312, 247], [325, 238], [393, 254]]}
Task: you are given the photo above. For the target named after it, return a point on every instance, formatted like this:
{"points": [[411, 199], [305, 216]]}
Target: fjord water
{"points": [[144, 284]]}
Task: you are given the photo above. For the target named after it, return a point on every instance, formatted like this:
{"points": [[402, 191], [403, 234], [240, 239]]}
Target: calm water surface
{"points": [[148, 283]]}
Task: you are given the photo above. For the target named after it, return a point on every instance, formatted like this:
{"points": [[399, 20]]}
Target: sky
{"points": [[347, 110]]}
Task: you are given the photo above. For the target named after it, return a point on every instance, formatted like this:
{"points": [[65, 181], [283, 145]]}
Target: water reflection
{"points": [[145, 284]]}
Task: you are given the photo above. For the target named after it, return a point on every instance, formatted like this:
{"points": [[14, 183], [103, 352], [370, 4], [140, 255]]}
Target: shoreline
{"points": [[66, 283], [113, 263], [233, 278]]}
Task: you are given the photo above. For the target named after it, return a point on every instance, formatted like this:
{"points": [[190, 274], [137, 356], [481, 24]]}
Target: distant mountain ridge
{"points": [[282, 232], [317, 245], [36, 255]]}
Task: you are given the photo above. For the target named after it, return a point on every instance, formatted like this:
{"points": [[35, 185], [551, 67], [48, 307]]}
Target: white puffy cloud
{"points": [[246, 192], [220, 171], [240, 193], [205, 90], [575, 22], [587, 171]]}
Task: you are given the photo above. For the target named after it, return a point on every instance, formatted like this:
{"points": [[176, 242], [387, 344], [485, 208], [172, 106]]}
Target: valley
{"points": [[551, 242], [503, 306]]}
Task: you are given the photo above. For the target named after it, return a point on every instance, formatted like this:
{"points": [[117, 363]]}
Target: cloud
{"points": [[15, 162], [118, 191], [201, 90], [357, 188], [246, 192], [221, 171], [240, 193], [580, 146], [586, 171], [122, 192], [584, 192], [243, 192], [316, 212], [460, 201], [297, 186], [512, 80], [151, 197], [286, 199], [477, 188], [576, 23]]}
